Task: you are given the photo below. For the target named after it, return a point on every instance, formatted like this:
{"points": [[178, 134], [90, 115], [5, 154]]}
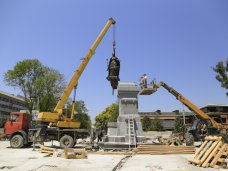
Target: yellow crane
{"points": [[57, 118], [206, 125], [190, 105]]}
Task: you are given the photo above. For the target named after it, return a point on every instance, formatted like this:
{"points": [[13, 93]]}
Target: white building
{"points": [[10, 103]]}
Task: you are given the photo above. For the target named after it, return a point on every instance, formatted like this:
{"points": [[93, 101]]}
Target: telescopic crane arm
{"points": [[74, 80], [187, 103], [57, 118]]}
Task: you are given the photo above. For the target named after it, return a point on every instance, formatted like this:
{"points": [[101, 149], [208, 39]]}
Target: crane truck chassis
{"points": [[18, 131]]}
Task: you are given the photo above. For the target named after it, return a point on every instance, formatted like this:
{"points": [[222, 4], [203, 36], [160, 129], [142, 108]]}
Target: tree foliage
{"points": [[40, 85], [157, 124], [2, 122], [221, 69], [146, 123], [152, 124], [179, 126], [110, 114], [81, 113]]}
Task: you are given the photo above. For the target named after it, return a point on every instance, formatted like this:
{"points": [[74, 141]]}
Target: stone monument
{"points": [[127, 131]]}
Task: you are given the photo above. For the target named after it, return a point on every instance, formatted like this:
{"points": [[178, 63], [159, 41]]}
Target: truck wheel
{"points": [[17, 141], [66, 141]]}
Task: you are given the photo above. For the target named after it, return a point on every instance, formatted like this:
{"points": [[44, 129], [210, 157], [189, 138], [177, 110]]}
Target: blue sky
{"points": [[175, 41]]}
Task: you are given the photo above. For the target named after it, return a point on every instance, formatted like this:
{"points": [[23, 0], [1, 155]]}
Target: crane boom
{"points": [[57, 118], [74, 80], [187, 103]]}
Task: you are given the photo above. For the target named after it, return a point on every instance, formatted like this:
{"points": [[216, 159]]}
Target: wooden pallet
{"points": [[220, 155], [71, 153], [211, 153], [49, 150], [164, 149]]}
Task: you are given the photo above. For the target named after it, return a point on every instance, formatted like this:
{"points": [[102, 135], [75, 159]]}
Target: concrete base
{"points": [[118, 132]]}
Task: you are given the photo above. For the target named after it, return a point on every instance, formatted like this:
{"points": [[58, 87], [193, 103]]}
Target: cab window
{"points": [[13, 118]]}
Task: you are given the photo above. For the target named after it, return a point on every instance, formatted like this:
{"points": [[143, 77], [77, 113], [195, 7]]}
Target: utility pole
{"points": [[183, 113]]}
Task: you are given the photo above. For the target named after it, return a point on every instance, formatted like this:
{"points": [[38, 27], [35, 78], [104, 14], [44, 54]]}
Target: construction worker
{"points": [[144, 80], [141, 82], [100, 134], [153, 83]]}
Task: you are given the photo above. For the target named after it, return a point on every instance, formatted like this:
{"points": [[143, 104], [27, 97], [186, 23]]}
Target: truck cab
{"points": [[17, 127], [17, 121]]}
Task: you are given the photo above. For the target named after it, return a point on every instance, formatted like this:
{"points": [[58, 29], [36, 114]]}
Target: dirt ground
{"points": [[28, 160]]}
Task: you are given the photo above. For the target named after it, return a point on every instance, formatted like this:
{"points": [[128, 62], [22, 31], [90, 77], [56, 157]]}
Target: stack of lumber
{"points": [[212, 153], [71, 153], [164, 149], [49, 150]]}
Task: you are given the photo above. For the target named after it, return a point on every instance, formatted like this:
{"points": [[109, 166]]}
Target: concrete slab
{"points": [[162, 163], [27, 160]]}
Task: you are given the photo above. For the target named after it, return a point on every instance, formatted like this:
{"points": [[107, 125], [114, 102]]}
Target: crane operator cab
{"points": [[113, 71]]}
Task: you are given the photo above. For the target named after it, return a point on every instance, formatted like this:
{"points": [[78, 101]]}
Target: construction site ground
{"points": [[26, 159]]}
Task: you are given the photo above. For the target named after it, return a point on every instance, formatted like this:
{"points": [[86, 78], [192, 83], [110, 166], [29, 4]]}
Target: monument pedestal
{"points": [[118, 134]]}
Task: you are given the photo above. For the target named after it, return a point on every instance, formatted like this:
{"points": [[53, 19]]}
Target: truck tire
{"points": [[66, 141], [17, 141]]}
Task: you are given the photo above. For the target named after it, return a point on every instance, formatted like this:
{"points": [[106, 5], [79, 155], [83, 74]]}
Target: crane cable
{"points": [[114, 40], [114, 45]]}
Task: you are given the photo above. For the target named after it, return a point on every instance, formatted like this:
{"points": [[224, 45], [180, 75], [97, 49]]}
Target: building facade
{"points": [[218, 112], [10, 103], [168, 118]]}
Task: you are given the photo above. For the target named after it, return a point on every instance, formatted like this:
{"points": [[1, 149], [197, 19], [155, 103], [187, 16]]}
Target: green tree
{"points": [[110, 114], [146, 123], [2, 122], [221, 69], [49, 89], [157, 124], [81, 113], [179, 126], [40, 85]]}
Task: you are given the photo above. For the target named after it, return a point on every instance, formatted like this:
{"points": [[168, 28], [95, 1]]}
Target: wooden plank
{"points": [[212, 154], [164, 149], [198, 151], [163, 146], [161, 153], [154, 148], [207, 153], [219, 154], [213, 138], [205, 150], [44, 149], [221, 160], [197, 159], [75, 153]]}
